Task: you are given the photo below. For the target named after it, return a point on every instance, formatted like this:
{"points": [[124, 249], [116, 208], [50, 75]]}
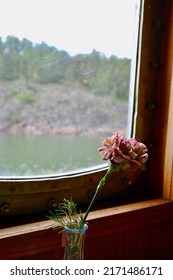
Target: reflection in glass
{"points": [[65, 75]]}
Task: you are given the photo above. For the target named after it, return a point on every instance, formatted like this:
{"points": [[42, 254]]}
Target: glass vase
{"points": [[75, 238]]}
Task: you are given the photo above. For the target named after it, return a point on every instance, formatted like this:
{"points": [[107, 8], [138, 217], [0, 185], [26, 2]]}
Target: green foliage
{"points": [[66, 215], [44, 64], [25, 96]]}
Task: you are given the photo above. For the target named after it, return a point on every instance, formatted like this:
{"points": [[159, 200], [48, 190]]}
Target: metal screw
{"points": [[156, 24], [153, 65], [150, 105], [5, 209], [53, 204]]}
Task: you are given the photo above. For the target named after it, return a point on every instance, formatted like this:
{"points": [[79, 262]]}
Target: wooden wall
{"points": [[137, 231]]}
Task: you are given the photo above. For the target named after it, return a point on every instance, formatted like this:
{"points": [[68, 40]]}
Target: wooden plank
{"points": [[137, 232], [161, 151], [93, 215]]}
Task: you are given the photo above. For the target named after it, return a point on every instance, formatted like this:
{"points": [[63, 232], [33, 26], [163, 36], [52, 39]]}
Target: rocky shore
{"points": [[57, 108]]}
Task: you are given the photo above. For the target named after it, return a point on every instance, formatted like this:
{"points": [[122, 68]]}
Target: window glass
{"points": [[65, 75]]}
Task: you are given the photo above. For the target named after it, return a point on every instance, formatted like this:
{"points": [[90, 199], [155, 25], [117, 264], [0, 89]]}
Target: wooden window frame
{"points": [[153, 125]]}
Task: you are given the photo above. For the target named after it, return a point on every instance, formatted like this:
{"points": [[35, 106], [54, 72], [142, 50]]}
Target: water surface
{"points": [[22, 155]]}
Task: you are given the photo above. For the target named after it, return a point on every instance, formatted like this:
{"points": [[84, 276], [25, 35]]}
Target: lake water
{"points": [[22, 155]]}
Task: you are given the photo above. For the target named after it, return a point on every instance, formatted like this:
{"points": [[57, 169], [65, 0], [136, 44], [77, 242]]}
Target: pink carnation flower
{"points": [[118, 149]]}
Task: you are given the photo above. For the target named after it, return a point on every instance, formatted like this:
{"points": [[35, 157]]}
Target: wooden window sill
{"points": [[119, 213]]}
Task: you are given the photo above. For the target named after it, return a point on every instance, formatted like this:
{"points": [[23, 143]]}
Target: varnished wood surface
{"points": [[135, 231], [161, 154]]}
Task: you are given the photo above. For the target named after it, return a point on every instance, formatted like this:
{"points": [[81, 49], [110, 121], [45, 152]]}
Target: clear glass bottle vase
{"points": [[75, 238]]}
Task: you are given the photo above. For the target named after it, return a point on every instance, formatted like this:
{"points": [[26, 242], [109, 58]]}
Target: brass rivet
{"points": [[153, 65], [12, 189], [157, 24], [150, 105], [6, 209], [53, 204]]}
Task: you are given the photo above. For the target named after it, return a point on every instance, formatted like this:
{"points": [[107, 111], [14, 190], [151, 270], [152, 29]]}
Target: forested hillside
{"points": [[22, 59], [43, 89]]}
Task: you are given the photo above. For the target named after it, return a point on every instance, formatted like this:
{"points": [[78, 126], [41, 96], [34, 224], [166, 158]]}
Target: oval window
{"points": [[65, 71]]}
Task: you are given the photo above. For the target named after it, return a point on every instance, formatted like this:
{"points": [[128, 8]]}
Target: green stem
{"points": [[100, 185]]}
